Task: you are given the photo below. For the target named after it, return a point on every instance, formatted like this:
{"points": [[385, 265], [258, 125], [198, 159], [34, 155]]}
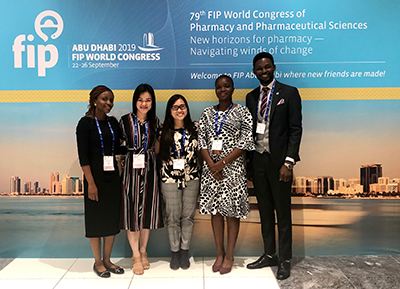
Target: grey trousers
{"points": [[180, 207]]}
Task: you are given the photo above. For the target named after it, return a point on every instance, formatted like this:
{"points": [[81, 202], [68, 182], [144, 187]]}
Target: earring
{"points": [[95, 104]]}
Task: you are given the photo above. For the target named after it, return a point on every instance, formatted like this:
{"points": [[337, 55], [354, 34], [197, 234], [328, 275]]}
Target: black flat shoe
{"points": [[104, 274], [283, 270], [264, 261], [117, 270], [174, 264]]}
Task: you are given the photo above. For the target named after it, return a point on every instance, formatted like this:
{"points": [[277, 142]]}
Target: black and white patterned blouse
{"points": [[228, 197], [190, 154]]}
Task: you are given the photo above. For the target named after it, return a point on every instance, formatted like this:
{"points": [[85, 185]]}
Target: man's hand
{"points": [[285, 175], [249, 175]]}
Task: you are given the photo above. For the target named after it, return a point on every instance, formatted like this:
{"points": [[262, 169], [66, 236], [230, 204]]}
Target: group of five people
{"points": [[166, 166]]}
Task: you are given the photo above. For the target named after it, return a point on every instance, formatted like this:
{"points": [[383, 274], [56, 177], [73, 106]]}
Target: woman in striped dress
{"points": [[142, 208]]}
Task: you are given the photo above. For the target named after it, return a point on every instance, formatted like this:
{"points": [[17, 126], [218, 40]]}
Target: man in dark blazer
{"points": [[277, 129]]}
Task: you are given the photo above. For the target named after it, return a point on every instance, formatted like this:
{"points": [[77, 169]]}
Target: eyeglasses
{"points": [[176, 107]]}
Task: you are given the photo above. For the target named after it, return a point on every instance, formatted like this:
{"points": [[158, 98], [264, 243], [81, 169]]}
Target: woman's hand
{"points": [[218, 176], [92, 192], [217, 167], [216, 170], [92, 188]]}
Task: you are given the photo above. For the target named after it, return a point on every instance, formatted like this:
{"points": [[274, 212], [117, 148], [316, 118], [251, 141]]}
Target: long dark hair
{"points": [[151, 114], [167, 134], [93, 95]]}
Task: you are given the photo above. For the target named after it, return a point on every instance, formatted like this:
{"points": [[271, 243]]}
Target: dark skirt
{"points": [[103, 217]]}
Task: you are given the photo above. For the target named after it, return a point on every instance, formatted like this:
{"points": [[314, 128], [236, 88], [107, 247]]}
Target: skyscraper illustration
{"points": [[15, 185], [369, 174], [51, 180], [325, 184]]}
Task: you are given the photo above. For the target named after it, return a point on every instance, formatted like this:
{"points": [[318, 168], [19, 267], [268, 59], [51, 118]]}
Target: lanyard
{"points": [[218, 131], [101, 135], [182, 146], [268, 104], [136, 147]]}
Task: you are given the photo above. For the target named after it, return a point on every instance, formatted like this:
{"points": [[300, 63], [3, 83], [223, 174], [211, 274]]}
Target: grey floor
{"points": [[369, 272], [4, 262]]}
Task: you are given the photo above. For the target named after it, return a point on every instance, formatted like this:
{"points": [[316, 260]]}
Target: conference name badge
{"points": [[179, 164], [260, 128], [217, 146], [108, 163], [138, 161]]}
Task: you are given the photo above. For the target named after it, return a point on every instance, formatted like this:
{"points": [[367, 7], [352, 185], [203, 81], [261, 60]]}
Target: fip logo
{"points": [[46, 21]]}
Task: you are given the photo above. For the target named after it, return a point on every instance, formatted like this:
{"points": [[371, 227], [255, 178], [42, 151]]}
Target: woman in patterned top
{"points": [[225, 133], [141, 202], [180, 173]]}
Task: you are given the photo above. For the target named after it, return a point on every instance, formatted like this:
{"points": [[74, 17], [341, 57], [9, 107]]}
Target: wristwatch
{"points": [[289, 166]]}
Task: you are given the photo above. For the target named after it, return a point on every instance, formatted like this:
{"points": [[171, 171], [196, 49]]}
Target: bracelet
{"points": [[223, 160]]}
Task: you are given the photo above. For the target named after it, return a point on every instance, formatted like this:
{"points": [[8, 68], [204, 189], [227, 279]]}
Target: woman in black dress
{"points": [[98, 139]]}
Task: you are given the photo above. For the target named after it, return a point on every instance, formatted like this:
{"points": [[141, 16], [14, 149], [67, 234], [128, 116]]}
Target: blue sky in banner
{"points": [[179, 44]]}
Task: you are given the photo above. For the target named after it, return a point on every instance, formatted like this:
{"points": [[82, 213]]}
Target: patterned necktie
{"points": [[264, 101]]}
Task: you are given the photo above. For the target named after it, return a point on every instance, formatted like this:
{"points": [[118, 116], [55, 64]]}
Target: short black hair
{"points": [[224, 76], [262, 55]]}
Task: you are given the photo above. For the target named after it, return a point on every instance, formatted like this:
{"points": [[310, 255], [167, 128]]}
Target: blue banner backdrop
{"points": [[63, 45], [342, 55]]}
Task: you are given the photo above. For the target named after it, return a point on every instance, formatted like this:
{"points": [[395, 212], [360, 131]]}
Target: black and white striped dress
{"points": [[141, 200]]}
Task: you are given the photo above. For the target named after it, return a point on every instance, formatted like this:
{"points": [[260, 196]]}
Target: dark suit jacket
{"points": [[285, 127]]}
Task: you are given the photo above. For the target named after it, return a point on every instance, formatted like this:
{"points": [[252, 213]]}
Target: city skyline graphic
{"points": [[370, 182], [66, 185], [338, 137]]}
